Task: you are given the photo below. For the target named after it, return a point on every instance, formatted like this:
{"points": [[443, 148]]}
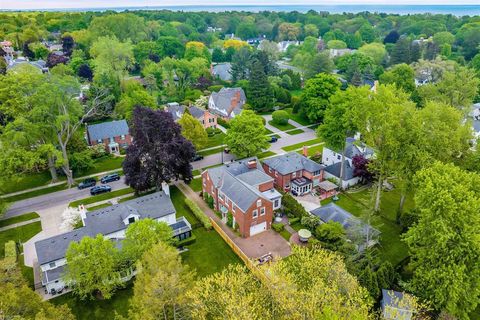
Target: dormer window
{"points": [[99, 140], [131, 220], [259, 203]]}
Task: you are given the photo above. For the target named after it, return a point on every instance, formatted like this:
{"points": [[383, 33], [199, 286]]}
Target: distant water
{"points": [[457, 10]]}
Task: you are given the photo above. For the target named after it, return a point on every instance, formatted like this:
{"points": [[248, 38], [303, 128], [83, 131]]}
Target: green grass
{"points": [[100, 206], [196, 172], [297, 226], [19, 234], [36, 193], [101, 197], [296, 93], [209, 254], [300, 145], [285, 234], [391, 247], [266, 154], [294, 132], [196, 184], [17, 219], [313, 150], [104, 164], [178, 199], [25, 181], [210, 152], [27, 272], [216, 140], [298, 117], [282, 127], [97, 309]]}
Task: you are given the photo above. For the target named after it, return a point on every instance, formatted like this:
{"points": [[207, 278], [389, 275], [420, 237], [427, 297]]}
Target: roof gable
{"points": [[292, 162], [107, 130]]}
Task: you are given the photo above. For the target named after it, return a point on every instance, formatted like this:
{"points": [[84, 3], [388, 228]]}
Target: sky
{"points": [[49, 4]]}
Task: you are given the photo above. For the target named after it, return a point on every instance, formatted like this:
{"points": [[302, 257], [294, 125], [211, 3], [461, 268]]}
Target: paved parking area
{"points": [[263, 243]]}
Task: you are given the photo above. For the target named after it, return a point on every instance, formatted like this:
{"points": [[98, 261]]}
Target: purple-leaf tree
{"points": [[159, 153], [360, 168]]}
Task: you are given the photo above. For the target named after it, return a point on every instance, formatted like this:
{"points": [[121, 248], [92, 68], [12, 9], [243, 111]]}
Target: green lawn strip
{"points": [[294, 132], [178, 199], [17, 219], [100, 206], [26, 271], [210, 152], [196, 184], [313, 150], [391, 247], [209, 253], [215, 140], [298, 117], [213, 166], [25, 181], [285, 234], [196, 172], [103, 164], [297, 226], [19, 234], [36, 193], [101, 197], [297, 146], [282, 127], [98, 309], [266, 154]]}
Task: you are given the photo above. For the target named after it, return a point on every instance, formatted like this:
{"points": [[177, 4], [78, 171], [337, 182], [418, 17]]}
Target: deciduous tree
{"points": [[193, 130], [316, 95], [246, 135]]}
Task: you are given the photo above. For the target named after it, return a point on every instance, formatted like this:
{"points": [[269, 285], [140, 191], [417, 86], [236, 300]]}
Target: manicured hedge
{"points": [[278, 226], [10, 249], [186, 242], [292, 208], [199, 214]]}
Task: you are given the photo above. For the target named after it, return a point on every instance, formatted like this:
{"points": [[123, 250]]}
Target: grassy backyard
{"points": [[196, 184], [391, 247], [313, 150], [19, 234], [298, 117], [215, 140], [297, 146], [17, 219]]}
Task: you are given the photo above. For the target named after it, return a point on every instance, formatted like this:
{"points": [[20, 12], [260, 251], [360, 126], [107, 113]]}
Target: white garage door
{"points": [[258, 228]]}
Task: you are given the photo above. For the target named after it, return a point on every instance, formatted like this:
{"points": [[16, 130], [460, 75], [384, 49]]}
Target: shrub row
{"points": [[199, 214], [186, 242], [291, 207], [278, 226], [10, 249]]}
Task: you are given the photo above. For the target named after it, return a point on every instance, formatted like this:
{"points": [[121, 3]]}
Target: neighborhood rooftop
{"points": [[177, 110], [292, 162], [106, 130]]}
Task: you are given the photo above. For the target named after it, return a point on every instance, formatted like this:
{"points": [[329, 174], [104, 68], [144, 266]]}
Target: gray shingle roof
{"points": [[239, 183], [292, 162], [335, 169], [352, 149], [222, 71], [105, 221], [53, 274], [177, 111], [223, 101], [106, 130]]}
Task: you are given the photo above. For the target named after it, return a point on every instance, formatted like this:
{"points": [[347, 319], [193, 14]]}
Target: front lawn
{"points": [[215, 140], [391, 247], [313, 150], [300, 145], [211, 151], [196, 184], [19, 235], [104, 164], [266, 154], [17, 219], [298, 117], [101, 197], [25, 181], [282, 127]]}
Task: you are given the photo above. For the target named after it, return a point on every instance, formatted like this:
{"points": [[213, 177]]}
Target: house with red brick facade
{"points": [[298, 174], [227, 103], [245, 191], [206, 118], [114, 135]]}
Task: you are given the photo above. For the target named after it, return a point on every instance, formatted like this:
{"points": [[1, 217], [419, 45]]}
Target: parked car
{"points": [[110, 178], [87, 183], [100, 189], [273, 139], [197, 157]]}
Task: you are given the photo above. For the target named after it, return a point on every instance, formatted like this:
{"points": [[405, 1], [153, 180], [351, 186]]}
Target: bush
{"points": [[296, 103], [81, 161], [215, 88], [208, 200], [223, 123], [199, 214], [317, 157], [280, 117], [10, 249], [310, 222], [278, 226], [186, 242], [293, 220], [229, 220], [292, 208], [408, 218]]}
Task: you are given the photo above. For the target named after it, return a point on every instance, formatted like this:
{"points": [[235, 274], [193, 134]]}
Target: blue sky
{"points": [[39, 4]]}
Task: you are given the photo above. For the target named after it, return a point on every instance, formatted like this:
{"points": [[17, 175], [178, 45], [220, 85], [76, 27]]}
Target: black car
{"points": [[110, 178], [100, 189], [273, 139], [197, 157], [87, 183]]}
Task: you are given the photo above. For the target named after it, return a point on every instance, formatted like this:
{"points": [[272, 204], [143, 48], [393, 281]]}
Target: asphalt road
{"points": [[64, 197]]}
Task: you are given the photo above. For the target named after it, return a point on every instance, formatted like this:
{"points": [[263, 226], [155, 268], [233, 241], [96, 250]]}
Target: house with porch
{"points": [[332, 159], [111, 222], [114, 135], [206, 118], [245, 191], [296, 173], [227, 103]]}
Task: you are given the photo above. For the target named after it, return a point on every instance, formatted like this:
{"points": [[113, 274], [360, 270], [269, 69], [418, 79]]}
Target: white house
{"points": [[332, 159], [227, 103], [111, 222]]}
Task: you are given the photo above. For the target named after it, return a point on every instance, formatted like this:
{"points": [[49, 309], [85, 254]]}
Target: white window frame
{"points": [[294, 175], [122, 137], [262, 211], [255, 213], [259, 202]]}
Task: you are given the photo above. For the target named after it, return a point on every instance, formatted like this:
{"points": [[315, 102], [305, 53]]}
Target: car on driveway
{"points": [[273, 139], [87, 183], [197, 157], [99, 190], [110, 178]]}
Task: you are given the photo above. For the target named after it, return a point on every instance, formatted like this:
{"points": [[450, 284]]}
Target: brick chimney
{"points": [[252, 164], [305, 151]]}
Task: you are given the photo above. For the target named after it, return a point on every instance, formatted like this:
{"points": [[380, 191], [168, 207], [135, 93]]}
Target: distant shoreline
{"points": [[457, 10]]}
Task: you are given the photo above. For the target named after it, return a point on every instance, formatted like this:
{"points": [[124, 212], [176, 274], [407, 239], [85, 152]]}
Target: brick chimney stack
{"points": [[252, 164], [305, 151]]}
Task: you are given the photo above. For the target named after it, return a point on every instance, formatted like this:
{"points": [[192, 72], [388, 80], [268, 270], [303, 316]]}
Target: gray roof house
{"points": [[396, 305], [227, 103], [222, 71], [292, 162], [354, 226], [111, 222], [14, 63], [105, 130], [177, 110]]}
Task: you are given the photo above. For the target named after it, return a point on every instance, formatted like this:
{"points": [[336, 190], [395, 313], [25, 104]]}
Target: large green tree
{"points": [[444, 243], [260, 92], [315, 97], [193, 130], [246, 135]]}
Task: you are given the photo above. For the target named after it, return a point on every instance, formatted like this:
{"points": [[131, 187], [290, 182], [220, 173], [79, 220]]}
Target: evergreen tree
{"points": [[415, 52], [240, 63], [401, 52], [356, 79], [218, 55], [260, 93]]}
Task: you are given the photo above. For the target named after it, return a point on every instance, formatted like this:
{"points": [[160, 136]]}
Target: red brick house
{"points": [[227, 103], [245, 191], [298, 174], [114, 135]]}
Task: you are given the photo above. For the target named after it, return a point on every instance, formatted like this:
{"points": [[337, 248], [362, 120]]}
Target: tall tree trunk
{"points": [[66, 164], [400, 206], [379, 193], [52, 168]]}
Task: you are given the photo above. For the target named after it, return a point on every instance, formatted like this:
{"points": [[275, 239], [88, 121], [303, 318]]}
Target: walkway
{"points": [[254, 247]]}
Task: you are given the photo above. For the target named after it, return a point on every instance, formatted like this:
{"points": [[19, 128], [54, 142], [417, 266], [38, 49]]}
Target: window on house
{"points": [[338, 157], [99, 140], [203, 121], [234, 207], [276, 174], [255, 213], [259, 203], [131, 220], [275, 203], [122, 137], [204, 182], [262, 211], [52, 264], [294, 175]]}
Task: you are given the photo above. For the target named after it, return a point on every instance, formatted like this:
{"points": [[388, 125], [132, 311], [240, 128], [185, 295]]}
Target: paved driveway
{"points": [[263, 243]]}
